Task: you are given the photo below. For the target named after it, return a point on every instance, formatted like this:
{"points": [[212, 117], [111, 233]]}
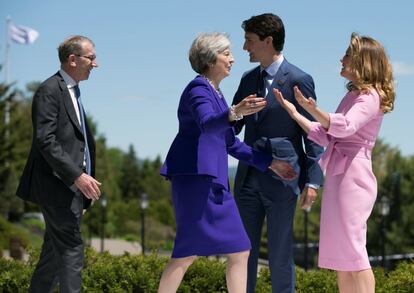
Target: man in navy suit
{"points": [[262, 195]]}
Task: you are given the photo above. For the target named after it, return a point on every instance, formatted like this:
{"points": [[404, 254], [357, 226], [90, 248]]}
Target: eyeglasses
{"points": [[90, 57]]}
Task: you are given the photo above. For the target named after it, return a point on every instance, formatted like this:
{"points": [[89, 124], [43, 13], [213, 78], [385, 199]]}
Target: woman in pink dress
{"points": [[349, 134]]}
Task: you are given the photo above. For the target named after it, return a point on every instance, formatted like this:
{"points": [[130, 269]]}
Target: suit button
{"points": [[82, 149]]}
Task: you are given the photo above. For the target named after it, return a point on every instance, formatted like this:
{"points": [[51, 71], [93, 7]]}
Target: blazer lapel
{"points": [[67, 100], [278, 83], [220, 101]]}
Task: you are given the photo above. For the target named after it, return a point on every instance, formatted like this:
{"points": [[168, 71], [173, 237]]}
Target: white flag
{"points": [[22, 34]]}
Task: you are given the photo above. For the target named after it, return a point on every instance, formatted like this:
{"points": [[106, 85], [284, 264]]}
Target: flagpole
{"points": [[6, 60], [21, 35], [7, 79]]}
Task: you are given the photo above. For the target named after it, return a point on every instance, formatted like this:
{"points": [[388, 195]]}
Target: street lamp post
{"points": [[89, 223], [103, 220], [384, 211], [144, 206], [305, 240]]}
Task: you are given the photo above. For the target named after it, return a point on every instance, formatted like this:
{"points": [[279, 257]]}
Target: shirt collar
{"points": [[274, 67], [68, 80]]}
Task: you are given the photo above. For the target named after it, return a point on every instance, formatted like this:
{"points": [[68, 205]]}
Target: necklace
{"points": [[218, 90]]}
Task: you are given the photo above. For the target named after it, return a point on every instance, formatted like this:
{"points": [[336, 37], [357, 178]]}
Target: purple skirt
{"points": [[208, 221]]}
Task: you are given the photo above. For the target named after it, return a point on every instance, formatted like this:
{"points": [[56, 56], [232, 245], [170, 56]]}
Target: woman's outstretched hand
{"points": [[293, 112], [250, 105], [308, 104], [288, 106]]}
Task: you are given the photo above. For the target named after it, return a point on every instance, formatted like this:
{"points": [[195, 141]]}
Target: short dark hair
{"points": [[265, 25], [72, 45]]}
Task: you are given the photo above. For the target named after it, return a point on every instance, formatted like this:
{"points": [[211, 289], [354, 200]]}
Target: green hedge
{"points": [[19, 232], [136, 273]]}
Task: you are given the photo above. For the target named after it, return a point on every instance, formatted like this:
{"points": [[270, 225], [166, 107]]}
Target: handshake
{"points": [[283, 169]]}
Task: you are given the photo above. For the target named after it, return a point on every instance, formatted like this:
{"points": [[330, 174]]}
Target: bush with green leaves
{"points": [[141, 274], [127, 273], [400, 280], [15, 275], [10, 231]]}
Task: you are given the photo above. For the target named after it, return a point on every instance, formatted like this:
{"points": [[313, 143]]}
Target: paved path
{"points": [[6, 255], [113, 246], [116, 246]]}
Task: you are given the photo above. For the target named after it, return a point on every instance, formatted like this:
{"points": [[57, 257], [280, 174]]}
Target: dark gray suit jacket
{"points": [[57, 151]]}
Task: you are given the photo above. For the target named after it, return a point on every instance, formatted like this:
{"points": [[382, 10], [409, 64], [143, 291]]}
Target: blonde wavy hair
{"points": [[372, 69]]}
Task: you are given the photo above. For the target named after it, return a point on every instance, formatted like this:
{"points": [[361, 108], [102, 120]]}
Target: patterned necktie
{"points": [[87, 157]]}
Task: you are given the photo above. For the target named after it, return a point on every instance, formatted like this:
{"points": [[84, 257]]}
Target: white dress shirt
{"points": [[70, 83]]}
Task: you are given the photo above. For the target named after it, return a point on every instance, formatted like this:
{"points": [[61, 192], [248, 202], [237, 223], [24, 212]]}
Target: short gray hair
{"points": [[72, 45], [205, 49]]}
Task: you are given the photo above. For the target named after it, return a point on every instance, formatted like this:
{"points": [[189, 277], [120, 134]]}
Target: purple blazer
{"points": [[205, 137]]}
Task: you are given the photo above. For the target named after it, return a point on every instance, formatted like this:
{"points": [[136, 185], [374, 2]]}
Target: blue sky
{"points": [[142, 52]]}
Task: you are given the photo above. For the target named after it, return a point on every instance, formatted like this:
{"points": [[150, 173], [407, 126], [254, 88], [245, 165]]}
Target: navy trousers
{"points": [[263, 197]]}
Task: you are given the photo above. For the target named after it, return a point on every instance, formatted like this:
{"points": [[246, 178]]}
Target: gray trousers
{"points": [[61, 258]]}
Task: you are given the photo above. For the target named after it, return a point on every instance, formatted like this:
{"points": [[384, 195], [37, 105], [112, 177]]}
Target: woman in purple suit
{"points": [[208, 222]]}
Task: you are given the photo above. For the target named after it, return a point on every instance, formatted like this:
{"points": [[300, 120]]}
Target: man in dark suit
{"points": [[259, 195], [59, 174]]}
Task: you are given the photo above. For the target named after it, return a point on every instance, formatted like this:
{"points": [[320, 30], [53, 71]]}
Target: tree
{"points": [[159, 192], [16, 134], [106, 173], [395, 176], [129, 183]]}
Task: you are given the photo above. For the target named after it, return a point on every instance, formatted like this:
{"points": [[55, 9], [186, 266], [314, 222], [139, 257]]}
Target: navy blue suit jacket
{"points": [[273, 123]]}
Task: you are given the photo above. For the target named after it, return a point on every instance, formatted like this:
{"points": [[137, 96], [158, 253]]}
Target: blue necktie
{"points": [[87, 156]]}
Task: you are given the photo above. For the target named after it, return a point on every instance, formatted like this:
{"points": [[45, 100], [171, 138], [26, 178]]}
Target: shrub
{"points": [[14, 276], [401, 280], [14, 232], [315, 281], [5, 228], [127, 273], [141, 274], [263, 281], [204, 276]]}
